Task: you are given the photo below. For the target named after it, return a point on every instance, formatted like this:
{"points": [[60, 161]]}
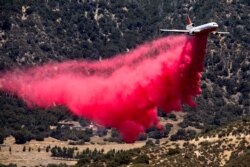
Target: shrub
{"points": [[149, 143], [173, 151], [142, 159]]}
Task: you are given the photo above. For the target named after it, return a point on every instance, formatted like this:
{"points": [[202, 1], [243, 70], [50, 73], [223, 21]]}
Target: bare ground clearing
{"points": [[35, 158]]}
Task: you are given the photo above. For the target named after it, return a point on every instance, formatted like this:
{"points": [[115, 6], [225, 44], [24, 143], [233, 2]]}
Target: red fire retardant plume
{"points": [[122, 92]]}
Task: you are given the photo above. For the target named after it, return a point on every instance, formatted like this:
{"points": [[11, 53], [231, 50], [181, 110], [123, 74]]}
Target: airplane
{"points": [[191, 29]]}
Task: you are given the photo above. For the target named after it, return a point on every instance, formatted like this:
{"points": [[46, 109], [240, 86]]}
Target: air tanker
{"points": [[191, 29]]}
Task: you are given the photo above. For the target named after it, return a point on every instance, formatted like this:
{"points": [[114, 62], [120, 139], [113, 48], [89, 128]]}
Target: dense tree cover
{"points": [[155, 133], [183, 134], [60, 30], [57, 165], [2, 136], [25, 123], [72, 134], [111, 158], [9, 165], [62, 152]]}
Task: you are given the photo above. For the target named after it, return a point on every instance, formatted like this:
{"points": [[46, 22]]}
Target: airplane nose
{"points": [[216, 25]]}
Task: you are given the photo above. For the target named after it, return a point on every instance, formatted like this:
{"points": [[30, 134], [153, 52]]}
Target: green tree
{"points": [[149, 143], [173, 151], [122, 157], [1, 137], [142, 159], [24, 148], [21, 136], [47, 148]]}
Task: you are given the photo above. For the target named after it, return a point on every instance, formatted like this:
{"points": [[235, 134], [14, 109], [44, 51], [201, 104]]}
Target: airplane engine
{"points": [[217, 34], [191, 32]]}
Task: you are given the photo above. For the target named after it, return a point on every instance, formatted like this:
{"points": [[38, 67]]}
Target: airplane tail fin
{"points": [[189, 23], [188, 20]]}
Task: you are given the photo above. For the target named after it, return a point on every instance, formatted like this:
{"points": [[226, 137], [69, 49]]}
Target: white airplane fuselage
{"points": [[205, 28]]}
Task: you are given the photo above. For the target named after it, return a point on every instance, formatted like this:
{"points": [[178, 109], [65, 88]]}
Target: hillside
{"points": [[226, 146], [37, 32], [221, 147]]}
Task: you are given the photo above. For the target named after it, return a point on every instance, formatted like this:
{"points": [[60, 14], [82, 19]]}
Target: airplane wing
{"points": [[222, 32], [181, 31]]}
